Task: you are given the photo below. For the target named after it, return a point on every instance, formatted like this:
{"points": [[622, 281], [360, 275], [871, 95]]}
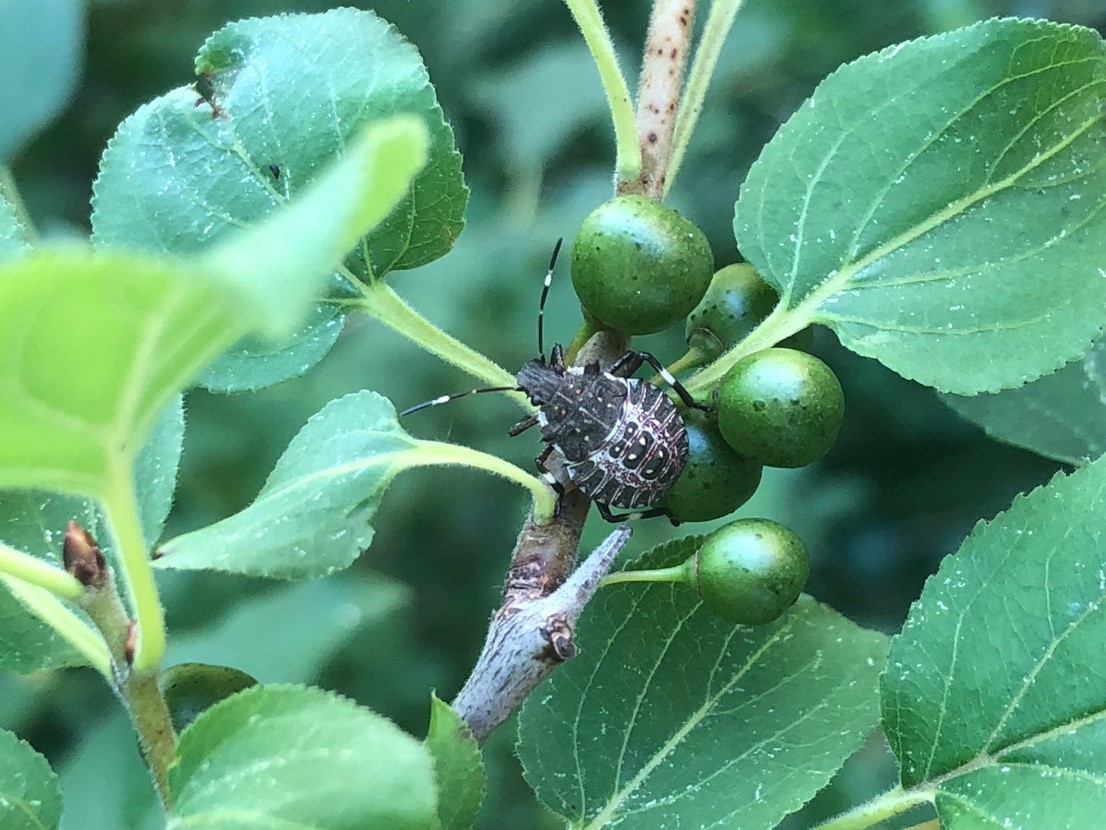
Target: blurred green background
{"points": [[905, 483]]}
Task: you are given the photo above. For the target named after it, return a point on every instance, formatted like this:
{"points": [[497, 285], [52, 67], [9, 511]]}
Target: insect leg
{"points": [[547, 476], [606, 513], [523, 425], [627, 364], [685, 396]]}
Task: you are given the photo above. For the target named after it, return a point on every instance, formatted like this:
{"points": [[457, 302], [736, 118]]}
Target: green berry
{"points": [[750, 571], [638, 266], [715, 481], [190, 688], [735, 303], [780, 407]]}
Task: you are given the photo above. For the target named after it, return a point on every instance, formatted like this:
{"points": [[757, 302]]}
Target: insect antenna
{"points": [[455, 396], [544, 295]]}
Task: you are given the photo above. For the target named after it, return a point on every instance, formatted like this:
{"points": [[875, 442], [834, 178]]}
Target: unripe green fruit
{"points": [[638, 266], [715, 481], [190, 688], [735, 304], [750, 571], [780, 407]]}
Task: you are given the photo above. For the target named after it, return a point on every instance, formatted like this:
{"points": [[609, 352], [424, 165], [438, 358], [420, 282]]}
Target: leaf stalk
{"points": [[780, 324], [75, 631], [121, 509], [34, 571], [380, 302], [439, 453], [882, 807], [589, 20], [677, 573]]}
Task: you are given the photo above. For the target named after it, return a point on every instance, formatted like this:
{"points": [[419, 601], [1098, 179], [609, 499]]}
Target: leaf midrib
{"points": [[616, 800], [809, 307]]}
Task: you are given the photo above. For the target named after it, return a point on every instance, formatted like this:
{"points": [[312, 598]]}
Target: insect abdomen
{"points": [[641, 457]]}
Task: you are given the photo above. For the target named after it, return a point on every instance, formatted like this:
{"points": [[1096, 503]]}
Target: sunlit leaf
{"points": [[288, 755], [94, 345], [97, 342], [185, 171]]}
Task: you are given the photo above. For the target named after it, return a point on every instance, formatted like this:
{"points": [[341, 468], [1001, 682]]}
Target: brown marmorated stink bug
{"points": [[623, 440]]}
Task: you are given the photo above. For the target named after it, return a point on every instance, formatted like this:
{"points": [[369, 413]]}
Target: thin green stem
{"points": [[677, 573], [438, 453], [381, 303], [882, 807], [9, 191], [586, 331], [36, 572], [780, 324], [121, 509], [589, 19], [139, 691], [156, 736], [71, 628], [718, 25], [692, 359]]}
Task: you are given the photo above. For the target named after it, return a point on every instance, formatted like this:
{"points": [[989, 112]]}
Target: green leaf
{"points": [[940, 204], [672, 716], [287, 755], [458, 767], [155, 469], [314, 514], [94, 346], [303, 625], [994, 694], [29, 794], [41, 50], [34, 522], [1062, 415], [183, 172], [13, 236], [98, 342]]}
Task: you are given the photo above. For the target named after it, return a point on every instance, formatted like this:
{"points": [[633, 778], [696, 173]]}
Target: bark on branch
{"points": [[543, 595]]}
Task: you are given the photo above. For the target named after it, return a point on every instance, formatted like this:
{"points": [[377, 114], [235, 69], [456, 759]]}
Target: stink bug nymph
{"points": [[623, 440]]}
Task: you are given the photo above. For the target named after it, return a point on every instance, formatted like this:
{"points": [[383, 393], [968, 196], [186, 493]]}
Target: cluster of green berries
{"points": [[639, 267]]}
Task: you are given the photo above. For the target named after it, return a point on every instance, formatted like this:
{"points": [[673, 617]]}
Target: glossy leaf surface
{"points": [[994, 692], [670, 715], [294, 756], [1062, 415], [942, 204], [186, 171]]}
